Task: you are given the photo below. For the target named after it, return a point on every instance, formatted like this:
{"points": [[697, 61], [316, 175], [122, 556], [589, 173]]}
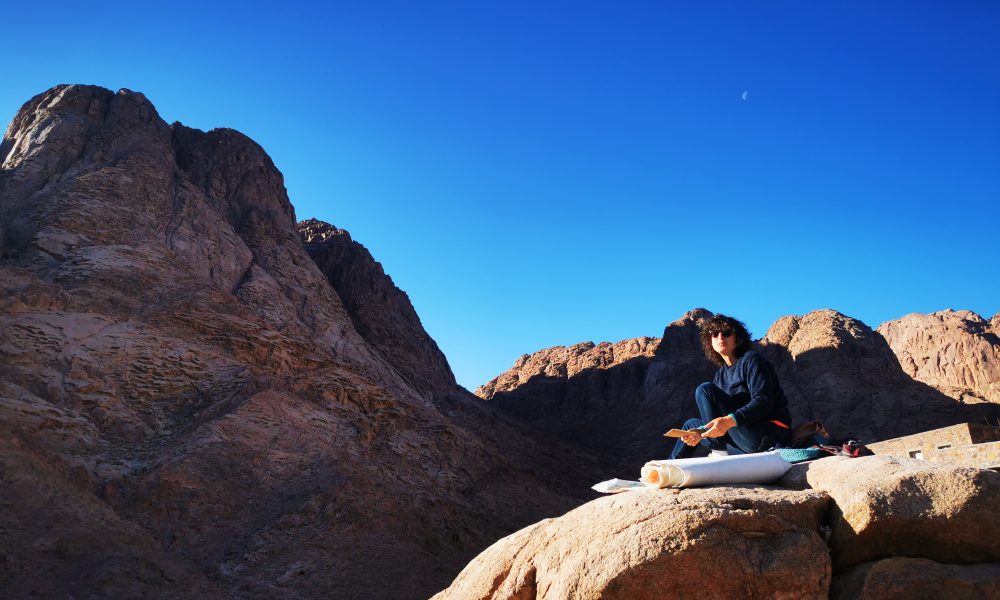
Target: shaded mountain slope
{"points": [[615, 398], [380, 311], [189, 400]]}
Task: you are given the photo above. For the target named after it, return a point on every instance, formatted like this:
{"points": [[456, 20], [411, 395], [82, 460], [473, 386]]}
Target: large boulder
{"points": [[903, 577], [885, 506], [851, 517], [732, 542]]}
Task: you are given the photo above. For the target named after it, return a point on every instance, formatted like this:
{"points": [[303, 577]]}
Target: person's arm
{"points": [[761, 403]]}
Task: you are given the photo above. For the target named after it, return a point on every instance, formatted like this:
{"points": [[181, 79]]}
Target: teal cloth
{"points": [[797, 455]]}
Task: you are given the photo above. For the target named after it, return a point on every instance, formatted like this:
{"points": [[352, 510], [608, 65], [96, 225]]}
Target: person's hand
{"points": [[692, 438], [718, 427]]}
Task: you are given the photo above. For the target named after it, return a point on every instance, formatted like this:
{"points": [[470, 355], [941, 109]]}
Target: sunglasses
{"points": [[724, 333]]}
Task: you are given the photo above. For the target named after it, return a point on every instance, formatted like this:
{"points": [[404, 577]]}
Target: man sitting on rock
{"points": [[743, 405]]}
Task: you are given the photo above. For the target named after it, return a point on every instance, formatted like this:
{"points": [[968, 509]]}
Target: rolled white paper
{"points": [[760, 467]]}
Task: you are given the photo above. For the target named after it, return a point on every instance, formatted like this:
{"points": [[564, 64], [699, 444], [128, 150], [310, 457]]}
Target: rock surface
{"points": [[380, 311], [733, 542], [892, 526], [187, 405], [902, 577], [957, 352], [886, 506], [837, 370], [76, 543], [616, 399]]}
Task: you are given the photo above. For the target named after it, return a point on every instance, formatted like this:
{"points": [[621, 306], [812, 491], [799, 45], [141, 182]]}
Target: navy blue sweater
{"points": [[751, 381]]}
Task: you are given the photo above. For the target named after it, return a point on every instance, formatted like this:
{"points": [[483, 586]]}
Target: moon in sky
{"points": [[745, 94]]}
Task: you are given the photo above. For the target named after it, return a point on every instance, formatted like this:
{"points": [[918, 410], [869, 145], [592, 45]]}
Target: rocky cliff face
{"points": [[957, 352], [837, 370], [619, 398], [188, 406], [380, 311]]}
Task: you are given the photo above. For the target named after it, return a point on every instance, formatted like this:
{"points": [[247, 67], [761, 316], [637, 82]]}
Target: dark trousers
{"points": [[713, 403]]}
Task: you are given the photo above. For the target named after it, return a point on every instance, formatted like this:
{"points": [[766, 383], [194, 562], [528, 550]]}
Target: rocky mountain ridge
{"points": [[190, 406], [832, 368], [380, 311]]}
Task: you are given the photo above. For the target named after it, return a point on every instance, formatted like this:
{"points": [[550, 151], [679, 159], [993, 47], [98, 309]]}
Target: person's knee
{"points": [[704, 390]]}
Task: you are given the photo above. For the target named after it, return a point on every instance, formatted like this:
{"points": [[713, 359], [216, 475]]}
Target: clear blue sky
{"points": [[544, 173]]}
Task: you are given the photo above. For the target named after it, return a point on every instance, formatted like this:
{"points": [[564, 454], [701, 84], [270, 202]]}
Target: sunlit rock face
{"points": [[188, 406], [957, 352], [835, 527]]}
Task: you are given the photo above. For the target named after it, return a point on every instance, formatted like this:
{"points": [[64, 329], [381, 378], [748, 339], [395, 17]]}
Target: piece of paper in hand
{"points": [[677, 433]]}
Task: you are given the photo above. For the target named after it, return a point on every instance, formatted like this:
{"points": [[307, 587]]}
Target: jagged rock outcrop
{"points": [[561, 363], [617, 399], [186, 405], [380, 311], [957, 352], [760, 541], [836, 369]]}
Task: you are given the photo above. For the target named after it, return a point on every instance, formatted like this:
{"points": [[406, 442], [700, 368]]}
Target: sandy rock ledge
{"points": [[711, 543]]}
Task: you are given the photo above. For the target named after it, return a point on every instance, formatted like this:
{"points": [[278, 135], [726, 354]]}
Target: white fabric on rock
{"points": [[761, 467]]}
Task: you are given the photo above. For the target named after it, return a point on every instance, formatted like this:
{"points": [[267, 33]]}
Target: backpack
{"points": [[805, 435]]}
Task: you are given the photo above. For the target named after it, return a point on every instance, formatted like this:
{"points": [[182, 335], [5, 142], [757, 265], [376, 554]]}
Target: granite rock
{"points": [[918, 579], [885, 506], [873, 527], [619, 398], [837, 370], [957, 352], [662, 544], [380, 312]]}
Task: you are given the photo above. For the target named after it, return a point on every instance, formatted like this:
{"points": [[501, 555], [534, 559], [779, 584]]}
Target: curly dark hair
{"points": [[721, 323]]}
